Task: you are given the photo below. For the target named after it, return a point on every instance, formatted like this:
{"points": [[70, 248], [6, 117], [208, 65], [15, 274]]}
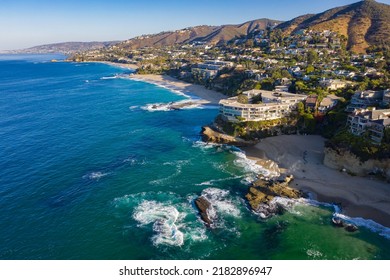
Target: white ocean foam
{"points": [[369, 224], [290, 204], [183, 105], [164, 218], [250, 165], [95, 175], [213, 181], [133, 161], [221, 202], [197, 234], [204, 145], [314, 253], [109, 77], [157, 107], [132, 108]]}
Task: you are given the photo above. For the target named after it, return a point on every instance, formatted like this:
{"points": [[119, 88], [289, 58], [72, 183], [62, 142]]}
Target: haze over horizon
{"points": [[25, 24]]}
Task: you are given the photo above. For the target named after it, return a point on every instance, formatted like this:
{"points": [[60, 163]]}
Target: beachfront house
{"points": [[275, 105], [364, 99], [374, 122]]}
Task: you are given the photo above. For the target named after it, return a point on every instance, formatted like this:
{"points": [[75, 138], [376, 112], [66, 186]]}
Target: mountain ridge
{"points": [[205, 33], [364, 24]]}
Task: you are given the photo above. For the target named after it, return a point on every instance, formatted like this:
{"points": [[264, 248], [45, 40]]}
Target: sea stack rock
{"points": [[203, 205]]}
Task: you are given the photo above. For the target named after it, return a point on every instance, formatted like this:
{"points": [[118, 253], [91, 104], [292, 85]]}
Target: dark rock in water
{"points": [[203, 205], [261, 194], [338, 222], [351, 228]]}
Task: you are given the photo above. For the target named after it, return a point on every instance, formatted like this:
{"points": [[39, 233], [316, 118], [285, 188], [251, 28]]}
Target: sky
{"points": [[27, 23]]}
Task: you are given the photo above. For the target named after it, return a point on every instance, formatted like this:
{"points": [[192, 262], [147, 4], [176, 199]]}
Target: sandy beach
{"points": [[302, 156], [206, 96]]}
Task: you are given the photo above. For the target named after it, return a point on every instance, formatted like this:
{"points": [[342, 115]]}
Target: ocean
{"points": [[90, 169]]}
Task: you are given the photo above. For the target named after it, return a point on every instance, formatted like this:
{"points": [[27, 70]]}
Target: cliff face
{"points": [[211, 136], [346, 160]]}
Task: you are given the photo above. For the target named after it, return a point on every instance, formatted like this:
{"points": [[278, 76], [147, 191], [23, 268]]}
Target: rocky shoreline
{"points": [[262, 193], [212, 135], [303, 157]]}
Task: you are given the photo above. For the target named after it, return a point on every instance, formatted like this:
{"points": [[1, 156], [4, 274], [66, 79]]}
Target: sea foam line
{"points": [[289, 205]]}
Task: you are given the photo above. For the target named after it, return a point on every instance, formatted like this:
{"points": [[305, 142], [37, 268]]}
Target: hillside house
{"points": [[374, 122], [332, 84], [364, 99], [328, 103]]}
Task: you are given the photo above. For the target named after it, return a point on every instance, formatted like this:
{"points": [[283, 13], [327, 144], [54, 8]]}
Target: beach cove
{"points": [[301, 156]]}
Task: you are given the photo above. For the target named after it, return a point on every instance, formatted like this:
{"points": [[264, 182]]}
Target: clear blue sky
{"points": [[26, 23]]}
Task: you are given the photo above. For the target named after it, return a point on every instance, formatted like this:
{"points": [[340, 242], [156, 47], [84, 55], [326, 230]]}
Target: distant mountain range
{"points": [[365, 23], [65, 48]]}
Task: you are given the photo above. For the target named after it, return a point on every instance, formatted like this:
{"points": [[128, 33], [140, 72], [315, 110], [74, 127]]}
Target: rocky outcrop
{"points": [[342, 224], [345, 160], [203, 206], [261, 195], [210, 135]]}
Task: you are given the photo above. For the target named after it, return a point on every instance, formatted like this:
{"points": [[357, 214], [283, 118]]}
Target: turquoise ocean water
{"points": [[88, 171]]}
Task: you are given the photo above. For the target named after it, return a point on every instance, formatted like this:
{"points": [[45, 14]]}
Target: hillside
{"points": [[208, 34], [65, 48], [365, 23]]}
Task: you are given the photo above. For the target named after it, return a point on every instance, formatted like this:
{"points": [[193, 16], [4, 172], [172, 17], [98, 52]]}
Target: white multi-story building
{"points": [[372, 121], [210, 68], [364, 99], [275, 105]]}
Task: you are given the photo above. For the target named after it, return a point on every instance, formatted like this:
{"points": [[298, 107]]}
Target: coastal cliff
{"points": [[213, 136], [343, 159]]}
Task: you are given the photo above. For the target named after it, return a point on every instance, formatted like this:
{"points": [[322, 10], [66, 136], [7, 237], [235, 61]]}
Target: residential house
{"points": [[328, 103], [374, 122], [282, 88], [311, 102], [332, 84], [364, 99]]}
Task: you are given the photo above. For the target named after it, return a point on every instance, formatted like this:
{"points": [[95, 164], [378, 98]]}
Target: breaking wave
{"points": [[290, 205], [164, 219], [171, 218]]}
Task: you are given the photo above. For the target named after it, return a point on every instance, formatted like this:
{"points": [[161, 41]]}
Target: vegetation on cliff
{"points": [[361, 146]]}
